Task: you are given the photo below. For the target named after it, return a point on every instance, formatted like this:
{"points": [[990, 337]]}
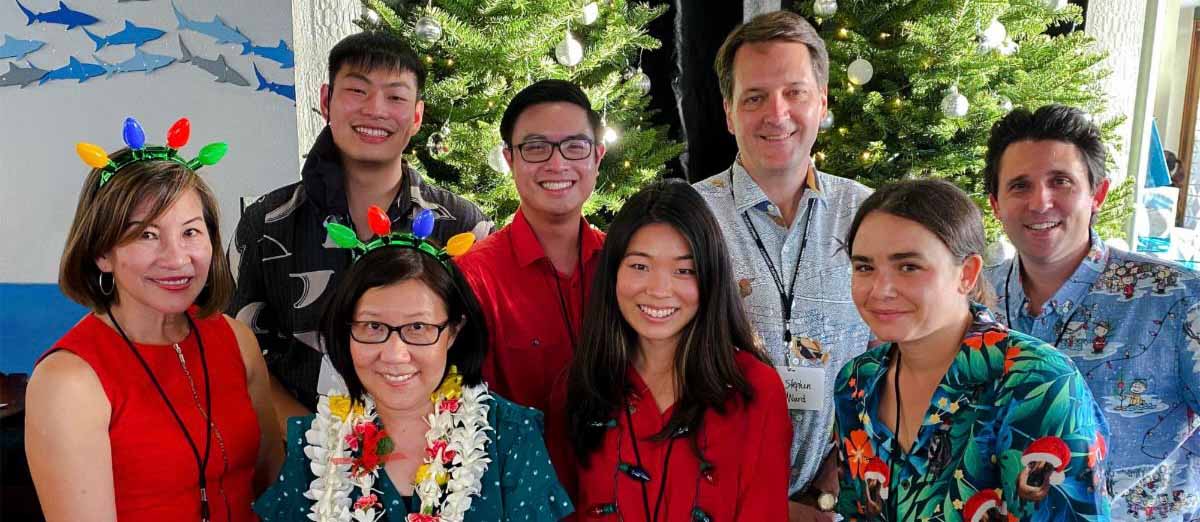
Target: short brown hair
{"points": [[99, 226], [767, 27]]}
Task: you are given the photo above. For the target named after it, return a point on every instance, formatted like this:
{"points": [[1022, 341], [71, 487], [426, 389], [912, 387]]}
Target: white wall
{"points": [[1117, 25], [40, 175]]}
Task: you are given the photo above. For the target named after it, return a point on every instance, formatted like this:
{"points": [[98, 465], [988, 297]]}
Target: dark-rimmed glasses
{"points": [[538, 151], [416, 334]]}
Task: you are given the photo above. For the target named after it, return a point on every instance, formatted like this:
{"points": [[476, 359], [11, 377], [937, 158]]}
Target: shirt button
{"points": [[537, 342]]}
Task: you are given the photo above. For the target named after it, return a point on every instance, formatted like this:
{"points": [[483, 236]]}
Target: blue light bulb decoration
{"points": [[134, 136], [423, 225]]}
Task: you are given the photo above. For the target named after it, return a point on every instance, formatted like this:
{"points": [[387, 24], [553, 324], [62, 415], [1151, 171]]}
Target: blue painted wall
{"points": [[32, 317]]}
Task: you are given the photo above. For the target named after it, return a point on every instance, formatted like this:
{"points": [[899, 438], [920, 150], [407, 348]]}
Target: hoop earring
{"points": [[111, 286]]}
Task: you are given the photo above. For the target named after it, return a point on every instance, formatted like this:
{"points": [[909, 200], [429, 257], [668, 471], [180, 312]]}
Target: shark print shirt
{"points": [[284, 262], [808, 257], [1011, 433], [1131, 323]]}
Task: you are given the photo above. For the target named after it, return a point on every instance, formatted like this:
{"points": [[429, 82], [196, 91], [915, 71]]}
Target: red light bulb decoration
{"points": [[179, 133], [379, 221]]}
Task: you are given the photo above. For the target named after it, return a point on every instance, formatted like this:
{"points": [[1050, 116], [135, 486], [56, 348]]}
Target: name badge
{"points": [[805, 387]]}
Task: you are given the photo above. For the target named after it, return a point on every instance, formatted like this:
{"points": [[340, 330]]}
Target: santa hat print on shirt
{"points": [[986, 506], [878, 471], [1051, 450]]}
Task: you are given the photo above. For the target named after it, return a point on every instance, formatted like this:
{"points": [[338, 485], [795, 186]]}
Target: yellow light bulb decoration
{"points": [[92, 155], [843, 33], [460, 244]]}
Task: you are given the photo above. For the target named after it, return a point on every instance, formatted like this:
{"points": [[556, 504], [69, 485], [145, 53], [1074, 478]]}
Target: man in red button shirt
{"points": [[532, 277]]}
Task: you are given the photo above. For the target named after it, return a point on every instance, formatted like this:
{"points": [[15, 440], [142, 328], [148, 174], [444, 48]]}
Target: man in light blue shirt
{"points": [[784, 222], [1131, 323]]}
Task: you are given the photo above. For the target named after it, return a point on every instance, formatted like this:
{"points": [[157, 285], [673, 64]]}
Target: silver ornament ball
{"points": [[591, 12], [827, 121], [496, 161], [438, 145], [860, 72], [1005, 104], [569, 51], [825, 8], [428, 30], [371, 16], [954, 104], [640, 80]]}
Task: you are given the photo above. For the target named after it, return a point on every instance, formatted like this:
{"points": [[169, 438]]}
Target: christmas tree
{"points": [[480, 53], [915, 86]]}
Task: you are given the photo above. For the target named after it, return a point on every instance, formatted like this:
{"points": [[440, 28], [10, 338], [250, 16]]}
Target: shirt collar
{"points": [[1073, 290], [528, 250], [747, 193]]}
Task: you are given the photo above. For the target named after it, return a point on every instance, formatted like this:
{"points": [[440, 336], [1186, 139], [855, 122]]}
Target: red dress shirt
{"points": [[518, 289], [748, 447]]}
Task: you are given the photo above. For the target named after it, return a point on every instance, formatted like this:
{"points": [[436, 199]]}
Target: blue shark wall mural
{"points": [[69, 69]]}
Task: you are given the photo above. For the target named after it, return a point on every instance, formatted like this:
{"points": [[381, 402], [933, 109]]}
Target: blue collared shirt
{"points": [[823, 316], [1131, 323]]}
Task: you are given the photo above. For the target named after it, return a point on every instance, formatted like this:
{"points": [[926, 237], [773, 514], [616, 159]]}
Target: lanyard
{"points": [[785, 296]]}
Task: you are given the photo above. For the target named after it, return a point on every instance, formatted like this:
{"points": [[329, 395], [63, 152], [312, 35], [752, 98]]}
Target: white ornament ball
{"points": [[825, 8], [994, 35], [827, 121], [954, 104], [428, 30], [591, 12], [569, 51], [860, 72], [437, 144], [1055, 4], [496, 161], [371, 16], [1005, 104]]}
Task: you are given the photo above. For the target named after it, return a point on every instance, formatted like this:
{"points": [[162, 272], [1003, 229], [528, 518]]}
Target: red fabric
{"points": [[514, 282], [154, 470], [748, 446]]}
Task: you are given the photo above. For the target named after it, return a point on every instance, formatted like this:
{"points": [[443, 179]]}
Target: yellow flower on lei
{"points": [[451, 387], [339, 406], [423, 473]]}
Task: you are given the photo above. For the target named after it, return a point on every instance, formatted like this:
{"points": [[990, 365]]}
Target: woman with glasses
{"points": [[418, 435]]}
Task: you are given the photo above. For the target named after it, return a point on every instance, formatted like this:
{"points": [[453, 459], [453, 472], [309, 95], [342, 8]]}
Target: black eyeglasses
{"points": [[538, 151], [416, 334]]}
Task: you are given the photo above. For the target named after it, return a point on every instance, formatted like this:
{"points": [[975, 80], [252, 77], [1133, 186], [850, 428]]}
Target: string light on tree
{"points": [[860, 72], [428, 30], [954, 104], [825, 8], [569, 51], [607, 134]]}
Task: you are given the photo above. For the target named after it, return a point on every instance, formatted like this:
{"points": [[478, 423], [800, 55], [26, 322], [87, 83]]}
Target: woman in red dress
{"points": [[670, 411], [155, 405]]}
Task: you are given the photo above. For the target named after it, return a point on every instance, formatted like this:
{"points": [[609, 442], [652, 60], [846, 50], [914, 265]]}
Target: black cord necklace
{"points": [[562, 300], [201, 462], [638, 473], [895, 441]]}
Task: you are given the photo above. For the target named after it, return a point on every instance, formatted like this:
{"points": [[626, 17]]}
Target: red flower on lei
{"points": [[418, 517]]}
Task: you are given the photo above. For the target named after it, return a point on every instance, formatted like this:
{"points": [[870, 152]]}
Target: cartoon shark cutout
{"points": [[217, 29], [131, 34], [279, 54], [73, 70], [141, 61], [287, 91], [63, 16], [15, 48], [21, 76], [218, 68]]}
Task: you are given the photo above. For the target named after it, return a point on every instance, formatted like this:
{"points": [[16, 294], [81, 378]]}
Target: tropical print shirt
{"points": [[1131, 323], [1011, 433], [808, 257]]}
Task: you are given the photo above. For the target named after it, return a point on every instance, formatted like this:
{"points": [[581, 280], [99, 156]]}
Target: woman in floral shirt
{"points": [[993, 424]]}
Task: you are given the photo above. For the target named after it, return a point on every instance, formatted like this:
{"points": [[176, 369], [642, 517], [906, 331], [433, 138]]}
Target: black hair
{"points": [[941, 208], [1048, 123], [390, 265], [707, 373], [546, 91], [371, 50]]}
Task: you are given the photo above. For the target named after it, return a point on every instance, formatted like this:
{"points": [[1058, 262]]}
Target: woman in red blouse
{"points": [[669, 411]]}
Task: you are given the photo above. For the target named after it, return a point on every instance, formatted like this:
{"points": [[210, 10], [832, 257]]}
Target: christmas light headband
{"points": [[381, 225], [135, 138]]}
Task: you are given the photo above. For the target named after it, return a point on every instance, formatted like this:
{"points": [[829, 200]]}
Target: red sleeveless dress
{"points": [[154, 470]]}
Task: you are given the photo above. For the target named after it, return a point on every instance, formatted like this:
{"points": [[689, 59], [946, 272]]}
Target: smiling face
{"points": [[401, 377], [372, 114], [557, 187], [164, 268], [1045, 201], [906, 284], [775, 108], [657, 290]]}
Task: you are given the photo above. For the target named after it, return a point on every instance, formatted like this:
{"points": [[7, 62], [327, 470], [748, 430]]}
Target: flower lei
{"points": [[346, 448]]}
